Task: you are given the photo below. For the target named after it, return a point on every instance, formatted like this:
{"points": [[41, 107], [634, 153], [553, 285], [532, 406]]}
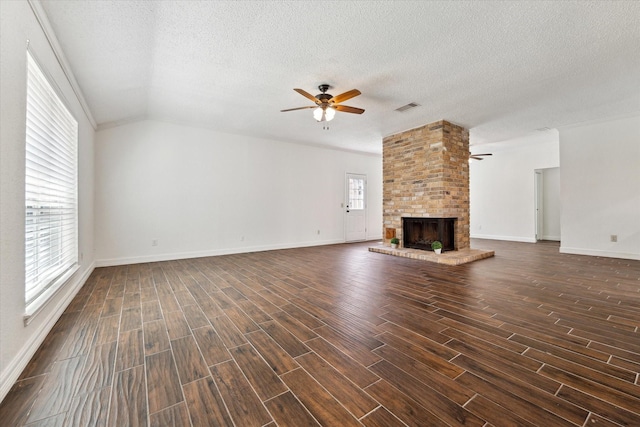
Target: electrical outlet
{"points": [[614, 237], [318, 231], [154, 242], [242, 239]]}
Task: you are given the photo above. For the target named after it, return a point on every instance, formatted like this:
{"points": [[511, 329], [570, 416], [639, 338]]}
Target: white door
{"points": [[356, 192], [547, 188], [539, 193]]}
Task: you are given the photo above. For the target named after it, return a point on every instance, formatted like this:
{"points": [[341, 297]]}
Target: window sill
{"points": [[37, 305]]}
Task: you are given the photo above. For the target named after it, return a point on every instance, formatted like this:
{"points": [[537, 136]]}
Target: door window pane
{"points": [[356, 193]]}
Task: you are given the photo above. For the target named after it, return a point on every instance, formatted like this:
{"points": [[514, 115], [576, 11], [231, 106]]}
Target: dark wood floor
{"points": [[340, 336]]}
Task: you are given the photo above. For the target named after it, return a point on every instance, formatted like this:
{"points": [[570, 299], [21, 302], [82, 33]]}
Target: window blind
{"points": [[51, 190]]}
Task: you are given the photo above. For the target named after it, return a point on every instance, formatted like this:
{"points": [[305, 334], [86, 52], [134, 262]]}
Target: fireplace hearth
{"points": [[419, 233]]}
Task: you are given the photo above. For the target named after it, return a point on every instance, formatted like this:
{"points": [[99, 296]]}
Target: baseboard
{"points": [[507, 238], [15, 367], [595, 252], [213, 252], [552, 238]]}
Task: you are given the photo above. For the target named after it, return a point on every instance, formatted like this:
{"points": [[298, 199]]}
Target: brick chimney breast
{"points": [[426, 174]]}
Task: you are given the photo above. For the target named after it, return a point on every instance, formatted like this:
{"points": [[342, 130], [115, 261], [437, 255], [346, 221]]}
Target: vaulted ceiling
{"points": [[501, 69]]}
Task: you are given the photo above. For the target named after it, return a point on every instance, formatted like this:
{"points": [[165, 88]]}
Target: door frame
{"points": [[345, 204], [539, 204]]}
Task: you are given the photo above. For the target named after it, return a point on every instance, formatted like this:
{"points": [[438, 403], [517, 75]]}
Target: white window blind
{"points": [[51, 220]]}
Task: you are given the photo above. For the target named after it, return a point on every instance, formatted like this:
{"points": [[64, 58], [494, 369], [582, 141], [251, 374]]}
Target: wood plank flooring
{"points": [[340, 336]]}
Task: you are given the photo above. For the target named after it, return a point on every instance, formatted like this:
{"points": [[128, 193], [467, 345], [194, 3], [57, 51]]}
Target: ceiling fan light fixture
{"points": [[318, 114], [329, 113], [324, 114]]}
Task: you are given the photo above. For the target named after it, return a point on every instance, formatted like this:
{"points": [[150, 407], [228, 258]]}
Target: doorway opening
{"points": [[547, 204]]}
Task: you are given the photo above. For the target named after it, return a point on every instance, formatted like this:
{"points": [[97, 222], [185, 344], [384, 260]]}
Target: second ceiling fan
{"points": [[327, 104], [479, 156]]}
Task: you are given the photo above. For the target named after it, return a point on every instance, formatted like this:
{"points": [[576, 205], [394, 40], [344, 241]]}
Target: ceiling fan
{"points": [[327, 104], [479, 156]]}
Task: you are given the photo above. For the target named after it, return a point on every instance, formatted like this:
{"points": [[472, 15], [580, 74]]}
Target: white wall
{"points": [[502, 187], [17, 341], [600, 188], [199, 192]]}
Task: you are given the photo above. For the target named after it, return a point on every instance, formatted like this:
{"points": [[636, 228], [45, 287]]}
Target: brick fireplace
{"points": [[426, 175]]}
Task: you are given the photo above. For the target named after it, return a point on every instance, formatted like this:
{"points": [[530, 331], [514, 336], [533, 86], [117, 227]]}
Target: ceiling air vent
{"points": [[407, 107]]}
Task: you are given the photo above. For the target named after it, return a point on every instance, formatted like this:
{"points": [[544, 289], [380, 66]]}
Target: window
{"points": [[51, 191], [356, 193]]}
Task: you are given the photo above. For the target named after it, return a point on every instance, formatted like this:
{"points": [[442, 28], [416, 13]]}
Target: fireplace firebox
{"points": [[419, 233]]}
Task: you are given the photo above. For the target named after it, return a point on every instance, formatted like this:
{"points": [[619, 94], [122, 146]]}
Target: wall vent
{"points": [[407, 107]]}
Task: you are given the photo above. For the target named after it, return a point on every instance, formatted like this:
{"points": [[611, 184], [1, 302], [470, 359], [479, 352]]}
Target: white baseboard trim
{"points": [[15, 367], [213, 252], [507, 238], [552, 238], [596, 252]]}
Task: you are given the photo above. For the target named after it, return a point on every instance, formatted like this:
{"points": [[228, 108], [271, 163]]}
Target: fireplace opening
{"points": [[419, 233]]}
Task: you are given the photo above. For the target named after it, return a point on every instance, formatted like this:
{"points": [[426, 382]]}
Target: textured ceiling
{"points": [[502, 69]]}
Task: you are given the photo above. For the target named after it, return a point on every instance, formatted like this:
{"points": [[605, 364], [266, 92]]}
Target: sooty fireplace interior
{"points": [[419, 233]]}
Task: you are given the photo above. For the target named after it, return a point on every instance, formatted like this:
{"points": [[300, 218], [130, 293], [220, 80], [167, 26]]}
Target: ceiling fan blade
{"points": [[476, 158], [299, 108], [346, 109], [344, 96], [308, 95], [486, 154]]}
